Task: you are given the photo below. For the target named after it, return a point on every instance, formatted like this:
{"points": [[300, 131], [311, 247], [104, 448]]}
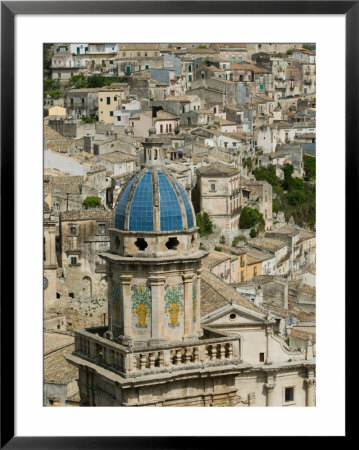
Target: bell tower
{"points": [[154, 259], [154, 350]]}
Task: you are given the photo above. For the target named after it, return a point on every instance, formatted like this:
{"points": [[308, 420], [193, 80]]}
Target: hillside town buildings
{"points": [[179, 241]]}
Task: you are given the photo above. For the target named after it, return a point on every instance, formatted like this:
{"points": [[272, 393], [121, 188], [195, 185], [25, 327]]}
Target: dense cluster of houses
{"points": [[219, 111]]}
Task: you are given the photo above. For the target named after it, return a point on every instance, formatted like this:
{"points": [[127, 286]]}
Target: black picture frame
{"points": [[8, 12]]}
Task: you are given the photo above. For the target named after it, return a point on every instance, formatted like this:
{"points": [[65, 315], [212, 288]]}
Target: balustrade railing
{"points": [[122, 359]]}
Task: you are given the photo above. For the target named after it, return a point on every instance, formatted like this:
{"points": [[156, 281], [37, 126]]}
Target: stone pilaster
{"points": [[269, 333], [310, 384], [110, 297], [197, 324], [125, 289], [157, 293], [188, 304], [269, 387]]}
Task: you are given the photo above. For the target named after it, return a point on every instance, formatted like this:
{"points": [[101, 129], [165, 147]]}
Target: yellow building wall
{"points": [[242, 267], [251, 268], [105, 106]]}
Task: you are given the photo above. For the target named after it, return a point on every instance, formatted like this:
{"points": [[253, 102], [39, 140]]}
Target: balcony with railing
{"points": [[213, 349]]}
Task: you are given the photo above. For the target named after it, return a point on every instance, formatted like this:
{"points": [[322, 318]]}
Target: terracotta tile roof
{"points": [[215, 294], [214, 258], [270, 244], [217, 169], [257, 256], [53, 341], [115, 157], [232, 250], [57, 370]]}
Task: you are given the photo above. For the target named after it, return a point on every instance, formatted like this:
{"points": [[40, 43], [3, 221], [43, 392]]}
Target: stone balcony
{"points": [[212, 350]]}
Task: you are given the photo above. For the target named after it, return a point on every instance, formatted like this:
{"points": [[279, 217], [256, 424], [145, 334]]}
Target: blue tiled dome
{"points": [[154, 201]]}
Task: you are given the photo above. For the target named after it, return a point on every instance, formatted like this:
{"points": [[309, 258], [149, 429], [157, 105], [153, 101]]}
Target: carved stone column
{"points": [[125, 308], [157, 292], [188, 304], [269, 387], [310, 383], [269, 333], [197, 324], [110, 296]]}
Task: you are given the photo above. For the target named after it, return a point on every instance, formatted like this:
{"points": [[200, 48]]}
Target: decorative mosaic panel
{"points": [[116, 302], [174, 303], [194, 300], [141, 302]]}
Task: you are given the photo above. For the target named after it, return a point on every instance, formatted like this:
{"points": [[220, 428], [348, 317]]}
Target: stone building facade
{"points": [[50, 258], [219, 191], [155, 351], [82, 281]]}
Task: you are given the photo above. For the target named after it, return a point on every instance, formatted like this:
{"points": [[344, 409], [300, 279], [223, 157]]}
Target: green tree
{"points": [[204, 223], [87, 119], [253, 233], [267, 174], [276, 205], [309, 167], [251, 218], [97, 80], [78, 81], [240, 237], [247, 162], [295, 198], [288, 171], [92, 202]]}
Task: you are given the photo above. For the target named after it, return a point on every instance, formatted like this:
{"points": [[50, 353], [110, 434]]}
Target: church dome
{"points": [[154, 201]]}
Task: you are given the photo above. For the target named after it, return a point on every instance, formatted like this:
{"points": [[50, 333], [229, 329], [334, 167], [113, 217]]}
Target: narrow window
{"points": [[73, 260], [72, 230], [261, 357], [58, 295], [71, 295], [101, 228], [108, 100], [289, 394], [213, 187]]}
